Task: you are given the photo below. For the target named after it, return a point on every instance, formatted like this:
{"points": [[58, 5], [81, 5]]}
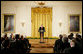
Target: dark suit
{"points": [[72, 50], [58, 46], [41, 32]]}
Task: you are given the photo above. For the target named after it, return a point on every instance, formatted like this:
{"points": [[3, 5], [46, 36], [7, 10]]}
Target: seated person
{"points": [[5, 35], [17, 47], [6, 42], [71, 36], [73, 49], [5, 46], [66, 44], [2, 39], [22, 38], [11, 37], [78, 38], [58, 45], [20, 45], [79, 42]]}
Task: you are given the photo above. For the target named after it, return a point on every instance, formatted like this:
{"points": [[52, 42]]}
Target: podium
{"points": [[41, 36]]}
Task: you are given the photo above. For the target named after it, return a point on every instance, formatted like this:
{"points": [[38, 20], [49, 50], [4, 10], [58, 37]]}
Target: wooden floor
{"points": [[37, 47], [35, 43], [41, 50]]}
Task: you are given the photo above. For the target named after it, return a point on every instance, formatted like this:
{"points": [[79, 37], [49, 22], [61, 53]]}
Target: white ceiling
{"points": [[47, 3]]}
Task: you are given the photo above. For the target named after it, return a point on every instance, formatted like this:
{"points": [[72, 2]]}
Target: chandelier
{"points": [[40, 3]]}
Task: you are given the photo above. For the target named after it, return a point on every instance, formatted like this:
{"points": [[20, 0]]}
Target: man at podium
{"points": [[41, 30]]}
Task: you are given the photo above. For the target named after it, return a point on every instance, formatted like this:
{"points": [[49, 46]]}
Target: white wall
{"points": [[60, 11]]}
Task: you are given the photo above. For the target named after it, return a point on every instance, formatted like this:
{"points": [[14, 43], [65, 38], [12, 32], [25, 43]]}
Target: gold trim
{"points": [[3, 23], [79, 22]]}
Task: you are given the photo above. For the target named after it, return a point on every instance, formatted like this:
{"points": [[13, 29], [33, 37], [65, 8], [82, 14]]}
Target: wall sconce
{"points": [[60, 23], [22, 23]]}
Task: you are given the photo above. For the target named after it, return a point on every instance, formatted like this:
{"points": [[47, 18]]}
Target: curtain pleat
{"points": [[41, 16]]}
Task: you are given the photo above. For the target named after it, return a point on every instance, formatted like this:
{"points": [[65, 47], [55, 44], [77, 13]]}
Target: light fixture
{"points": [[60, 23], [22, 23], [41, 3]]}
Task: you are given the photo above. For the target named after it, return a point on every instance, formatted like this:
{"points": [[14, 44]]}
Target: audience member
{"points": [[66, 44], [22, 38], [2, 39], [79, 42], [73, 49], [5, 35], [11, 37], [14, 46], [58, 45], [71, 36], [5, 45], [20, 45]]}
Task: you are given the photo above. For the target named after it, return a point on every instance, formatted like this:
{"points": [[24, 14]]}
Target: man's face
{"points": [[41, 25]]}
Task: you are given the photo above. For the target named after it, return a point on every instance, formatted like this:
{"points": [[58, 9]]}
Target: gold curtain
{"points": [[41, 16]]}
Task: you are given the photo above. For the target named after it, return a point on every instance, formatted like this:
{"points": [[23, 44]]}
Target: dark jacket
{"points": [[40, 30], [65, 45], [58, 46], [72, 50]]}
